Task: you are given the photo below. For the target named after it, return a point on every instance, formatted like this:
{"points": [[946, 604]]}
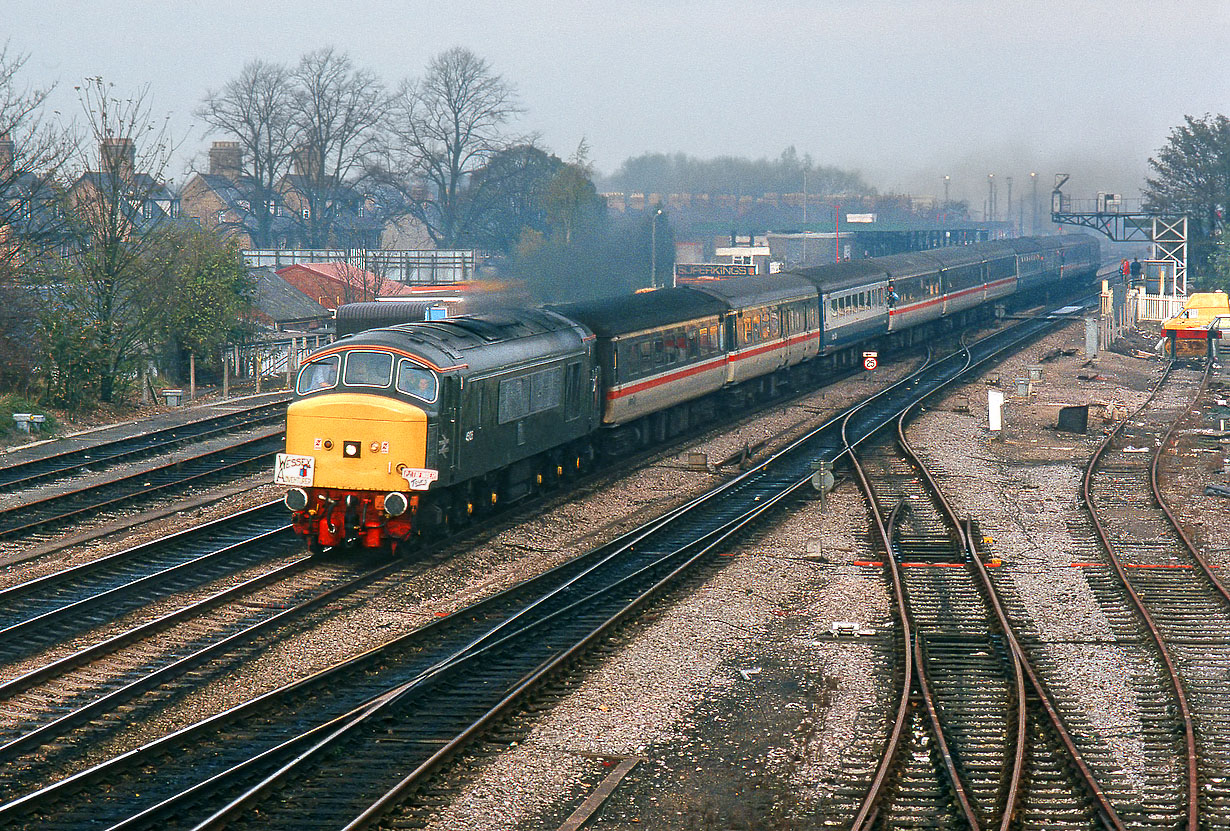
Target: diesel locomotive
{"points": [[401, 429]]}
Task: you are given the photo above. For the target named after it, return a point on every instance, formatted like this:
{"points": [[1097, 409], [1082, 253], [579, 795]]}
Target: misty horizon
{"points": [[900, 93]]}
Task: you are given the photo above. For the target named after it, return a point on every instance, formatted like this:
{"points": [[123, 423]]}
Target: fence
{"points": [[280, 355], [411, 266], [1156, 308]]}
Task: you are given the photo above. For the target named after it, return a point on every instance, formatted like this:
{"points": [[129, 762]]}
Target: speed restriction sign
{"points": [[869, 360]]}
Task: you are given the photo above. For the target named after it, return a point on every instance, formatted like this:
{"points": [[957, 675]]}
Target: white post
{"points": [[192, 376], [226, 374], [995, 410]]}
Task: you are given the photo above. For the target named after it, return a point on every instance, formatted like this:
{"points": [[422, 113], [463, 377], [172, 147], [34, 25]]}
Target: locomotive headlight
{"points": [[296, 499], [395, 504], [351, 449], [374, 447]]}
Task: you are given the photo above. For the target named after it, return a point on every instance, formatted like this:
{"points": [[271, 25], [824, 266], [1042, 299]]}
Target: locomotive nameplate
{"points": [[419, 478], [294, 470]]}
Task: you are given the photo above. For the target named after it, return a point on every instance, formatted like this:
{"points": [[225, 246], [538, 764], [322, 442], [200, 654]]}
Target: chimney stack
{"points": [[226, 159], [118, 155], [6, 156]]}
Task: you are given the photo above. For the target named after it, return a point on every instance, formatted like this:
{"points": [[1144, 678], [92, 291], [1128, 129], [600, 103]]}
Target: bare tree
{"points": [[32, 152], [117, 203], [445, 127], [361, 280], [336, 110], [256, 109]]}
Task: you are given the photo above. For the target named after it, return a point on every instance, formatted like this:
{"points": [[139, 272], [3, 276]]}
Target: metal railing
{"points": [[412, 266]]}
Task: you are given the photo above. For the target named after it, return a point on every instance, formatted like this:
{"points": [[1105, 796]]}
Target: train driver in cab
{"points": [[319, 375]]}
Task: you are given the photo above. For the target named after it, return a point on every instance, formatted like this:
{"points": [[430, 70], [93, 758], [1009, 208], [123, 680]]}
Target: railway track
{"points": [[976, 740], [42, 612], [38, 515], [382, 721], [57, 711], [100, 456], [1182, 602]]}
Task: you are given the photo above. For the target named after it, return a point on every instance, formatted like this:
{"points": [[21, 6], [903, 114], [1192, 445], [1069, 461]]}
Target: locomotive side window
{"points": [[368, 369], [529, 394], [544, 390], [514, 399], [418, 381], [318, 375]]}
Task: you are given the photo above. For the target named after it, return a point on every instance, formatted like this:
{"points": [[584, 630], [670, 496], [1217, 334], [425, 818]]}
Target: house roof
{"points": [[151, 191], [238, 195], [345, 273], [146, 185], [282, 302]]}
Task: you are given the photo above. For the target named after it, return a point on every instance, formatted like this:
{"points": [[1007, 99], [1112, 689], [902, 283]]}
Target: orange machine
{"points": [[1186, 335]]}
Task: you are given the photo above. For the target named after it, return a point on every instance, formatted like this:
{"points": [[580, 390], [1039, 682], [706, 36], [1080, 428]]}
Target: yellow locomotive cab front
{"points": [[356, 441], [355, 464]]}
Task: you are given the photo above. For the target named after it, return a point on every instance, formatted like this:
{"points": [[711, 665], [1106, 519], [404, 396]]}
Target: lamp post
{"points": [[1033, 223], [947, 179], [653, 249]]}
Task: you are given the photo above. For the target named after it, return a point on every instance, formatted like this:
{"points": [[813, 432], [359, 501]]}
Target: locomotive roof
{"points": [[743, 291], [631, 313], [506, 338]]}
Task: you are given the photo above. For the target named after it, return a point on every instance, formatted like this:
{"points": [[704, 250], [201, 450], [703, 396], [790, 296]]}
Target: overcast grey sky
{"points": [[904, 91]]}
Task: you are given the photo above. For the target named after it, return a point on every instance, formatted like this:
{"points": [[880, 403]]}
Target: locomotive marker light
{"points": [[870, 360]]}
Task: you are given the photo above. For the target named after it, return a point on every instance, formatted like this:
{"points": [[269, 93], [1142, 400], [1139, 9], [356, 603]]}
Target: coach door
{"points": [[729, 329]]}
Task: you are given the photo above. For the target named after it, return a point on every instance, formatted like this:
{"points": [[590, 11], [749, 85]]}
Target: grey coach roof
{"points": [[740, 292]]}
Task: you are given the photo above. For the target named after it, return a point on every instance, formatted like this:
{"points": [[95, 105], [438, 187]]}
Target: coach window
{"points": [[693, 342], [644, 363], [368, 369], [418, 381], [318, 375]]}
